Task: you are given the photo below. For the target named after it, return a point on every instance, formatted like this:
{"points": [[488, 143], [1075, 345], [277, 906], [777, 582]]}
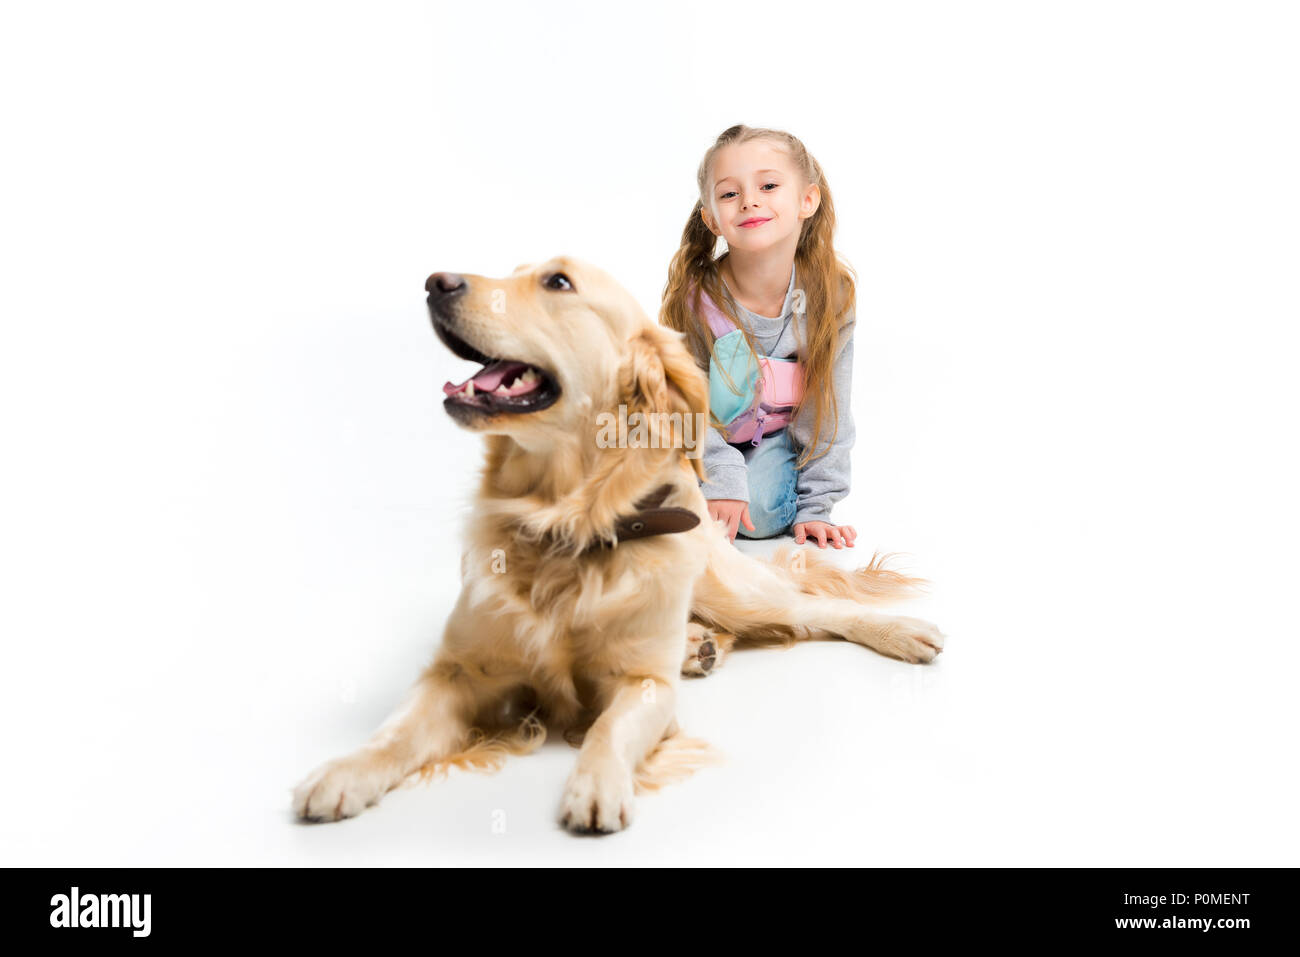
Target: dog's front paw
{"points": [[597, 801], [342, 788], [911, 639]]}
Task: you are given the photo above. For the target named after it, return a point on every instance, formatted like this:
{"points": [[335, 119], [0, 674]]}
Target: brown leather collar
{"points": [[653, 520]]}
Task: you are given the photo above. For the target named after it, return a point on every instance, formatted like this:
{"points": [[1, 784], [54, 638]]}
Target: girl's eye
{"points": [[733, 192], [559, 281]]}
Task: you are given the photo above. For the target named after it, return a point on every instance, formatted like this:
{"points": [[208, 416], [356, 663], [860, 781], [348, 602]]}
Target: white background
{"points": [[231, 499]]}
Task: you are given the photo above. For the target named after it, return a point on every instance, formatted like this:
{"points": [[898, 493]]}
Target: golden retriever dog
{"points": [[592, 576]]}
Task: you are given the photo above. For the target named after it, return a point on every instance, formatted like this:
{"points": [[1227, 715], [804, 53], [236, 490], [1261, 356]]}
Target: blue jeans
{"points": [[772, 496]]}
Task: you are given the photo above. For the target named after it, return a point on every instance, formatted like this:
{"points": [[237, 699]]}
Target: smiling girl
{"points": [[779, 306]]}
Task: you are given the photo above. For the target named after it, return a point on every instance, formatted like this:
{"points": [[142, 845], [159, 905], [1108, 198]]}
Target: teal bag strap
{"points": [[732, 354]]}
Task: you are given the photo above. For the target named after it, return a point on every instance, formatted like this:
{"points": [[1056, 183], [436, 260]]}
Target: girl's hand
{"points": [[732, 511], [823, 532]]}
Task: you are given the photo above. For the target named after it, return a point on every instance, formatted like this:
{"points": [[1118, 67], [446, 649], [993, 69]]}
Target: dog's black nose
{"points": [[444, 284]]}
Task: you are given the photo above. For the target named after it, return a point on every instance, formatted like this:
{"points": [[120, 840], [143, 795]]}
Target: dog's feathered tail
{"points": [[873, 582]]}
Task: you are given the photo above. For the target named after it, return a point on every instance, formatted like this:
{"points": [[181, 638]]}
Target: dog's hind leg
{"points": [[797, 595], [431, 724], [705, 649]]}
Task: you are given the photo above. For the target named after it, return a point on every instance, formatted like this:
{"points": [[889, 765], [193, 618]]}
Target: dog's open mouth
{"points": [[502, 385]]}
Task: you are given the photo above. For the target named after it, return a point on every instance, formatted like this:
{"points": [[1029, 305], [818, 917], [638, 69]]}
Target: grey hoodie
{"points": [[825, 480]]}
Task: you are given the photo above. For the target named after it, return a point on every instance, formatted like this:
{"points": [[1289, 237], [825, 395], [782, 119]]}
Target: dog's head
{"points": [[560, 344]]}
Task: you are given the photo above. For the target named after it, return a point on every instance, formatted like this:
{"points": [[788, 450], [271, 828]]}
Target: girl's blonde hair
{"points": [[828, 285]]}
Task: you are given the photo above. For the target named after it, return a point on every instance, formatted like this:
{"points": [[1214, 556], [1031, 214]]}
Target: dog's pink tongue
{"points": [[489, 377]]}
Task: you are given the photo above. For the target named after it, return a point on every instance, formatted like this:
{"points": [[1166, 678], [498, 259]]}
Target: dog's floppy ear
{"points": [[661, 381]]}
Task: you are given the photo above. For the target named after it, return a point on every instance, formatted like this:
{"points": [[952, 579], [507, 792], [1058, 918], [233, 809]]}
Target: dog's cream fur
{"points": [[552, 630]]}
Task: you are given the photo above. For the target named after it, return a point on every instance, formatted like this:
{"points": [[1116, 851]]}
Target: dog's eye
{"points": [[559, 281]]}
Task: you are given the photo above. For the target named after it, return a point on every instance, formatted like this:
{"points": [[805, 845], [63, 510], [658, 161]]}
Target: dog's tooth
{"points": [[529, 376], [469, 389], [502, 389]]}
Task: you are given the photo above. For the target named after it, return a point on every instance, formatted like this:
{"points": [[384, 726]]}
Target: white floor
{"points": [[1065, 724]]}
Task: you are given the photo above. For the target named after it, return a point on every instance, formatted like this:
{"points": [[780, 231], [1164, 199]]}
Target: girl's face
{"points": [[757, 199]]}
